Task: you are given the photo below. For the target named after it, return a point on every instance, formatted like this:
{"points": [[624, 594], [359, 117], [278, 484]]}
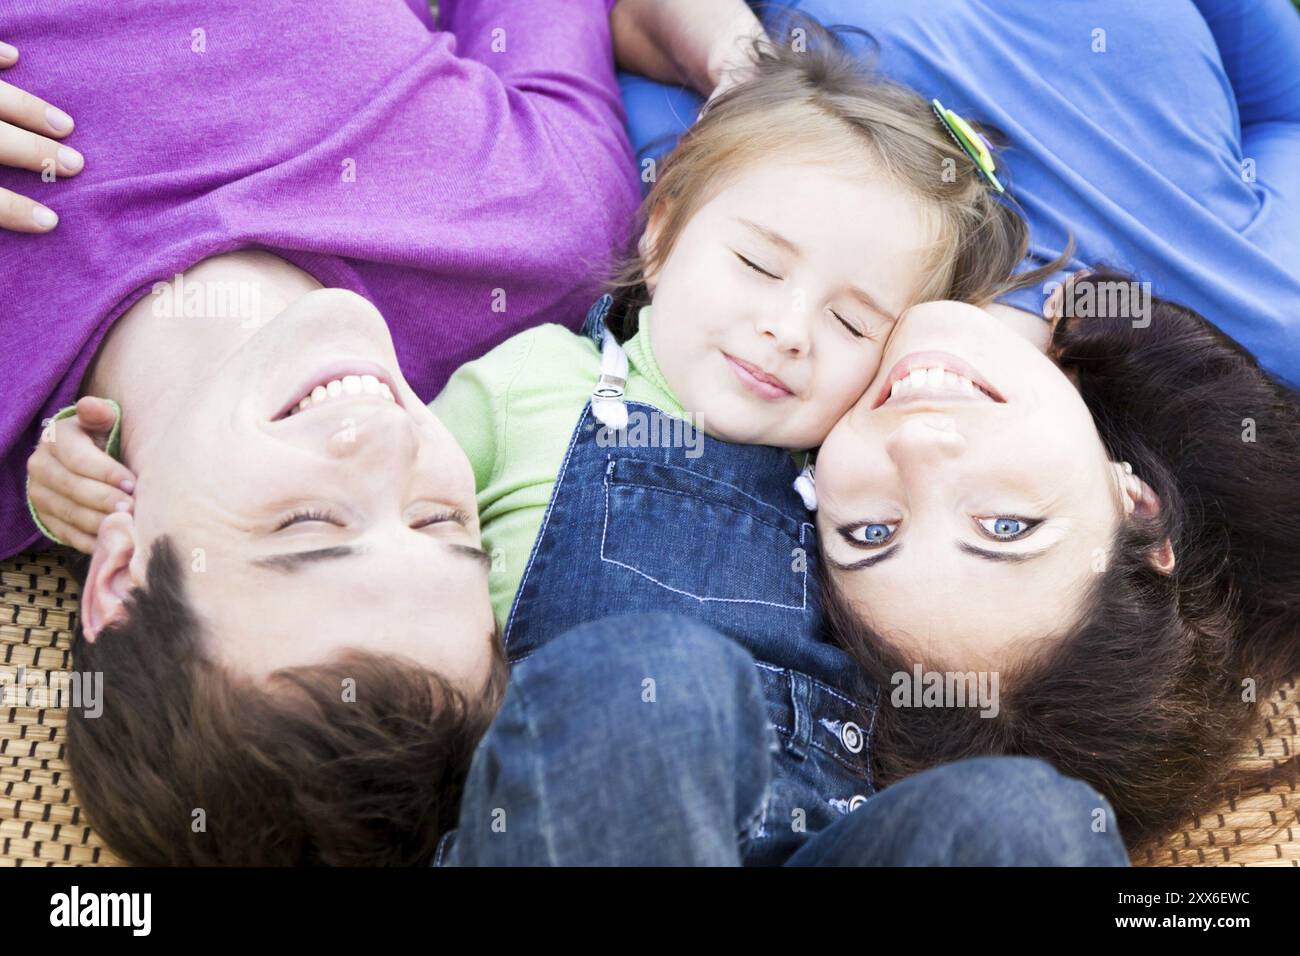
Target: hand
{"points": [[29, 130], [699, 43], [72, 482], [732, 59]]}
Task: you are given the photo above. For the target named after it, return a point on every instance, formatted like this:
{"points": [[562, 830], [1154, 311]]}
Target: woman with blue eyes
{"points": [[1106, 521]]}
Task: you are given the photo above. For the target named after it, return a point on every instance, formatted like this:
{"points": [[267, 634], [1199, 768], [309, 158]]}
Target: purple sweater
{"points": [[475, 171]]}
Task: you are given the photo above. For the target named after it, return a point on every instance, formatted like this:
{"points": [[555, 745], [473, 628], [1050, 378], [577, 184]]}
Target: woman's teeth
{"points": [[348, 385], [936, 379]]}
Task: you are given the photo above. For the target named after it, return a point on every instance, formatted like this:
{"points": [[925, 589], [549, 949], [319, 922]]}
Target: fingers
{"points": [[69, 535], [24, 149], [77, 452], [20, 214], [57, 509], [32, 113], [70, 453], [89, 494], [29, 128], [95, 414]]}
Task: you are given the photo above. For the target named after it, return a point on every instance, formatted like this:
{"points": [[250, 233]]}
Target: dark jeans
{"points": [[643, 740]]}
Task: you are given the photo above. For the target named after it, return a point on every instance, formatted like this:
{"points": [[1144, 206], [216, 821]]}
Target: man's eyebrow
{"points": [[294, 560], [478, 554], [868, 561], [1014, 556], [776, 239]]}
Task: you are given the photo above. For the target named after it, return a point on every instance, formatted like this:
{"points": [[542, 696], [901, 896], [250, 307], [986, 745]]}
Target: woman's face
{"points": [[963, 521]]}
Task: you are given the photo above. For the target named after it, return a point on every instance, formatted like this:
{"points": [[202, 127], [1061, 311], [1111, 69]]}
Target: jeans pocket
{"points": [[702, 537]]}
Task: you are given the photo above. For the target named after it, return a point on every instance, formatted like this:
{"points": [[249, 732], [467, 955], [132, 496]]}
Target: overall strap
{"points": [[607, 396]]}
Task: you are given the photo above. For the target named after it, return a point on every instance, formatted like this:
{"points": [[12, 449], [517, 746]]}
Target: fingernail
{"points": [[8, 52], [123, 506], [70, 160], [44, 218], [59, 121], [128, 486]]}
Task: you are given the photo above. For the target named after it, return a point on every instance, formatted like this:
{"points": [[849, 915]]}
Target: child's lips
{"points": [[762, 384]]}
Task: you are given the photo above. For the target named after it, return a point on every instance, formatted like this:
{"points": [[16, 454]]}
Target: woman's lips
{"points": [[761, 383], [945, 360]]}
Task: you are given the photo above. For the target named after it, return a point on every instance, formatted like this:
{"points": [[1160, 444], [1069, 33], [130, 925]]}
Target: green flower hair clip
{"points": [[974, 145]]}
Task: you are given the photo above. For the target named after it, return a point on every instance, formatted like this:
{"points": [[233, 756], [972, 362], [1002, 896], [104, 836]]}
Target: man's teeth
{"points": [[347, 385], [935, 379]]}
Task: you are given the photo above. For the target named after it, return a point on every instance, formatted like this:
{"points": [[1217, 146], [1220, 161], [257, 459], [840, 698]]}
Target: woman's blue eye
{"points": [[1007, 528], [874, 533]]}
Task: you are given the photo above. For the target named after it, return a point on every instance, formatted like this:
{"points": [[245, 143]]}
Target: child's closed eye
{"points": [[853, 329], [757, 268]]}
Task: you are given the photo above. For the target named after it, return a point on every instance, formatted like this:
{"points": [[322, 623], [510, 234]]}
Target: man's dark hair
{"points": [[191, 764]]}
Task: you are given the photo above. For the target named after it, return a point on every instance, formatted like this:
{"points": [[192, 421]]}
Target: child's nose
{"points": [[786, 329]]}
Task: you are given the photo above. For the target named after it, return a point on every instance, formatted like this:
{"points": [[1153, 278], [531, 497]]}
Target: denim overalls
{"points": [[713, 530]]}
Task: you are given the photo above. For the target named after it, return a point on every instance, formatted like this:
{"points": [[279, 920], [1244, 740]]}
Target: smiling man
{"points": [[292, 466], [292, 621], [288, 597]]}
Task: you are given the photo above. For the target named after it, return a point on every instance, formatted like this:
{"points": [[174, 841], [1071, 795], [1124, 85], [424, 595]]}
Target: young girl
{"points": [[806, 210]]}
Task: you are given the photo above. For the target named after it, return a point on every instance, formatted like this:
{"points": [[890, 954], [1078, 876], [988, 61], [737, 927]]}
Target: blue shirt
{"points": [[1164, 134]]}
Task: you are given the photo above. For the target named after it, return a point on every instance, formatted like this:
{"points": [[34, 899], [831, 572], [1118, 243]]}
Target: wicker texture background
{"points": [[42, 825]]}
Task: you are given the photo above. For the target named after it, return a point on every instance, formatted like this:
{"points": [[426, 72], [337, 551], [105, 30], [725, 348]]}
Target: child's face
{"points": [[773, 306]]}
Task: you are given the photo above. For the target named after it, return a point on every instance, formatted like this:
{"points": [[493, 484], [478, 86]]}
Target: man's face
{"points": [[345, 522]]}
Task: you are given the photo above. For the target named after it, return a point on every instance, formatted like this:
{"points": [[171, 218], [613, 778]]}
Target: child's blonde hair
{"points": [[818, 94]]}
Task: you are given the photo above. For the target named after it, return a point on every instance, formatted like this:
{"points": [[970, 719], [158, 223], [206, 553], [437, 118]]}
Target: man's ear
{"points": [[1140, 499], [110, 579], [649, 240]]}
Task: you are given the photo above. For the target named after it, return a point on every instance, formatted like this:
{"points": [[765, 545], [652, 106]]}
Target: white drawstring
{"points": [[806, 484]]}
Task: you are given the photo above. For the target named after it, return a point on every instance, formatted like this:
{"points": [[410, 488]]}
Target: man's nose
{"points": [[925, 441], [385, 431]]}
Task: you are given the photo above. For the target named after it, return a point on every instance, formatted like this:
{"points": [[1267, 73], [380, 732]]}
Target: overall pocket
{"points": [[702, 537]]}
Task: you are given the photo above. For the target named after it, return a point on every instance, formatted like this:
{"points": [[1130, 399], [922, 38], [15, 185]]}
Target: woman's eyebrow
{"points": [[1014, 556]]}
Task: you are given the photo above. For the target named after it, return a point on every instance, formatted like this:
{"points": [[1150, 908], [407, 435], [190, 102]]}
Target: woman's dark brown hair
{"points": [[359, 761], [1150, 696]]}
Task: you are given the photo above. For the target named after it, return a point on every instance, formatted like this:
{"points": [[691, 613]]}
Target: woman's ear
{"points": [[1140, 499], [110, 578]]}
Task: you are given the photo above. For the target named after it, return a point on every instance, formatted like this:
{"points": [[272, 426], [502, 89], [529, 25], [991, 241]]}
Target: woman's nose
{"points": [[925, 440]]}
